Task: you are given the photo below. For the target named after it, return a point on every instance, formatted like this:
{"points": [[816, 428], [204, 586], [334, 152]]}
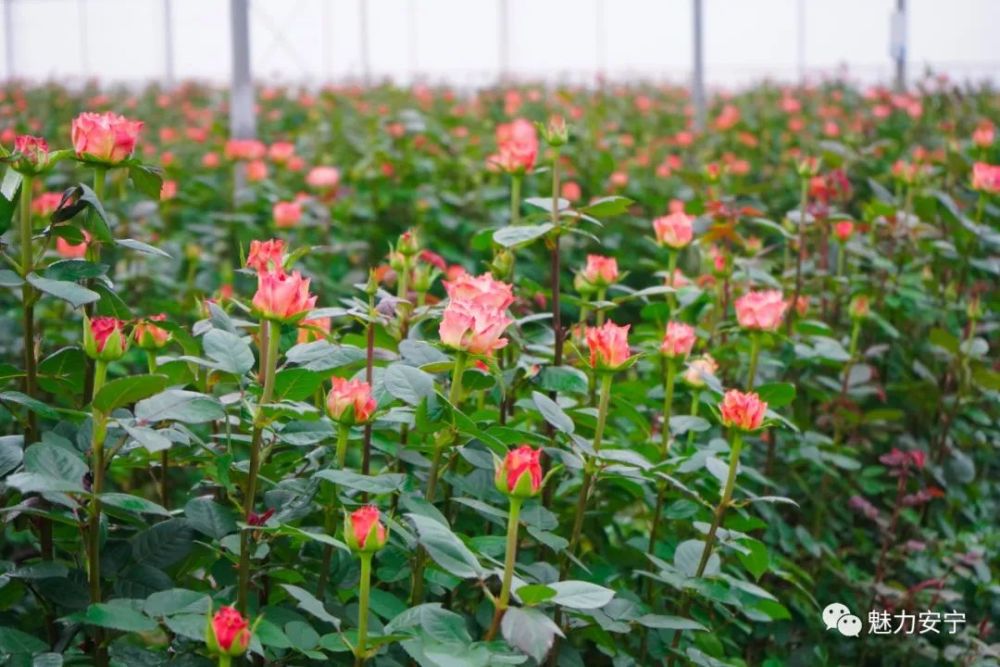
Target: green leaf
{"points": [[127, 390], [230, 352], [533, 594], [408, 384], [515, 235], [552, 413], [149, 438], [10, 279], [296, 384], [210, 518], [189, 407], [607, 206], [116, 616], [47, 660], [62, 372], [374, 484], [444, 547], [75, 295], [581, 594], [681, 424], [55, 461], [30, 482], [10, 189], [755, 559], [308, 603], [163, 544], [688, 556], [661, 622], [530, 631], [144, 248], [147, 179], [77, 199], [177, 601], [14, 641], [32, 404], [133, 504], [776, 394], [11, 453]]}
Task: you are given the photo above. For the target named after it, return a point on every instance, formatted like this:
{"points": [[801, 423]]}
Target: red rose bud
{"points": [[104, 338], [350, 401], [519, 475], [859, 307], [742, 411], [363, 531], [148, 336], [32, 154], [107, 137], [227, 633], [608, 345]]}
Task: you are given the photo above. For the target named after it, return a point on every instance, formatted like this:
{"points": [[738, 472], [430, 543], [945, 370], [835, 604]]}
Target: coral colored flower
{"points": [[69, 250], [323, 178], [106, 137], [677, 280], [762, 311], [104, 338], [33, 153], [699, 369], [986, 177], [519, 474], [743, 411], [287, 213], [474, 327], [608, 345], [210, 160], [843, 230], [600, 271], [313, 330], [363, 531], [859, 307], [484, 289], [984, 134], [256, 171], [570, 191], [517, 147], [678, 340], [245, 149], [266, 256], [168, 190], [228, 633], [283, 297], [148, 336], [46, 204], [281, 152], [673, 230], [350, 401]]}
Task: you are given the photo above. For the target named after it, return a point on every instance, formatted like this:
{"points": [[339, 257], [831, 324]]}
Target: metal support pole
{"points": [[698, 71], [168, 44], [801, 40], [898, 46], [366, 71], [242, 123], [8, 38], [503, 39]]}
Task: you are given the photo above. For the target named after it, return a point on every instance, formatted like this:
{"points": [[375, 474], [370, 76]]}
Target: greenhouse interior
{"points": [[472, 333]]}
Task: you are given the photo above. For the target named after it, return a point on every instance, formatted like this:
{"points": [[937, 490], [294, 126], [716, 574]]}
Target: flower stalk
{"points": [[503, 601], [364, 594]]}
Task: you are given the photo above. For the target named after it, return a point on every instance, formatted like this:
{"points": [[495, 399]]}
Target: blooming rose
{"points": [[743, 411], [673, 230], [287, 213], [986, 178], [519, 474], [256, 171], [363, 531], [228, 633], [106, 137], [984, 134], [245, 149], [473, 327], [104, 338], [350, 401], [761, 311], [678, 340], [266, 255], [281, 152], [483, 289], [323, 178], [517, 147], [148, 336], [282, 297], [608, 345]]}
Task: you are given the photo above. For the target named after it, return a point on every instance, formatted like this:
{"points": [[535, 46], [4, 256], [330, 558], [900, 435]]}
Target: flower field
{"points": [[523, 376]]}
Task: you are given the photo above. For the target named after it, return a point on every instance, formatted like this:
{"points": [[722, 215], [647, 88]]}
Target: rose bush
{"points": [[521, 376]]}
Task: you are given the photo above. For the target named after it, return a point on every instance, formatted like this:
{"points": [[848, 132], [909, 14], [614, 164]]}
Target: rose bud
{"points": [[808, 167], [843, 230], [674, 230], [104, 338], [107, 137], [678, 340], [555, 133], [743, 411], [266, 256], [608, 345], [519, 474], [148, 336], [32, 154], [859, 307], [227, 633], [761, 311], [350, 401], [699, 369], [282, 297], [599, 273], [363, 532], [409, 243]]}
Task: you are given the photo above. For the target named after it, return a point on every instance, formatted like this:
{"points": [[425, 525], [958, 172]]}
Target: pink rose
{"points": [[483, 290], [266, 256], [517, 147], [743, 411], [323, 178], [608, 345], [762, 311], [287, 213], [674, 230], [473, 327], [350, 395], [678, 340], [600, 271], [282, 297], [106, 137]]}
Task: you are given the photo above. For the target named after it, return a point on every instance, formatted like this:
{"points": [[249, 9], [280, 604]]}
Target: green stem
{"points": [[342, 437], [803, 203], [754, 354], [363, 595], [225, 660], [980, 208], [668, 403], [503, 601], [515, 199], [599, 315], [28, 305], [695, 403], [270, 334], [588, 474], [671, 296], [99, 421]]}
